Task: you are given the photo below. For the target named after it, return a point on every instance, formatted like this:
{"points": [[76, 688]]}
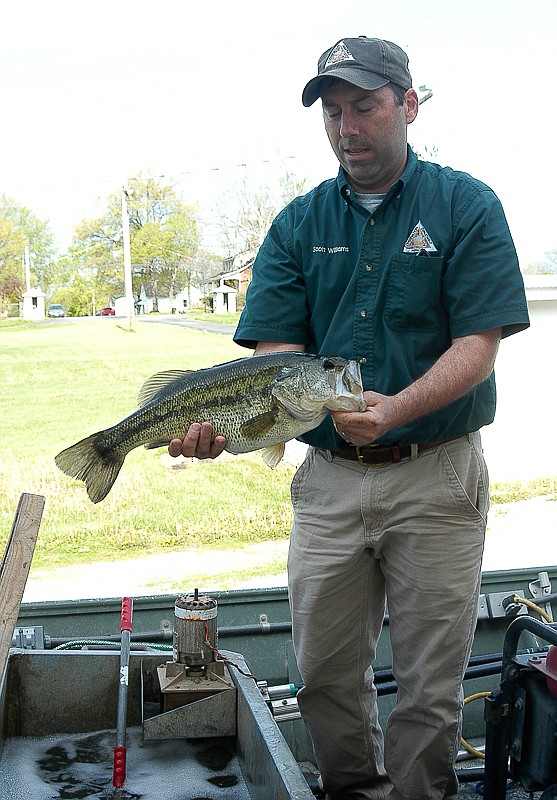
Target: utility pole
{"points": [[27, 268], [127, 259]]}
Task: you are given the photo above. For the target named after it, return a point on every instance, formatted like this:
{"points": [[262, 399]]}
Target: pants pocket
{"points": [[467, 477]]}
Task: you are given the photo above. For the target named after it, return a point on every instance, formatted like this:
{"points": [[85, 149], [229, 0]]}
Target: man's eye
{"points": [[364, 110]]}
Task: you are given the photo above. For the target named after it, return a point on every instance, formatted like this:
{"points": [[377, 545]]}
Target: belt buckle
{"points": [[360, 457]]}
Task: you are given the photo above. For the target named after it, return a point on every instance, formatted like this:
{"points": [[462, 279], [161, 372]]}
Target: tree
{"points": [[550, 261], [250, 211], [164, 238], [20, 228], [546, 267]]}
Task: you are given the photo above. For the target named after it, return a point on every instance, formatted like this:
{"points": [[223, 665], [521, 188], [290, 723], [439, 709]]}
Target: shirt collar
{"points": [[346, 190]]}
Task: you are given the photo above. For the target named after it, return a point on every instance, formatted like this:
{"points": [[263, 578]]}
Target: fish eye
{"points": [[328, 363]]}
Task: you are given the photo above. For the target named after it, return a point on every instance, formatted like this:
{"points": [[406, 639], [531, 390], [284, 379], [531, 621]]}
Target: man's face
{"points": [[367, 131]]}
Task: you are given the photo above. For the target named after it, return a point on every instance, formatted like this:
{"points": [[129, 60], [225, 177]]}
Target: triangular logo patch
{"points": [[339, 53], [419, 240]]}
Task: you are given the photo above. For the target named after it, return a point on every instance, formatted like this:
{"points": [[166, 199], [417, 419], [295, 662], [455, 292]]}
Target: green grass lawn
{"points": [[62, 381]]}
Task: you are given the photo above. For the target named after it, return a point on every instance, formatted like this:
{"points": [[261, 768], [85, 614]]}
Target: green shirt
{"points": [[434, 262]]}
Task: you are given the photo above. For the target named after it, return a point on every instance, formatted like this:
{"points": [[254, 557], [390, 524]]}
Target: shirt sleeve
{"points": [[276, 303], [483, 285]]}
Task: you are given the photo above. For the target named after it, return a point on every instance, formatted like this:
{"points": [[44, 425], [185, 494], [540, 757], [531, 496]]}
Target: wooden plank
{"points": [[16, 562]]}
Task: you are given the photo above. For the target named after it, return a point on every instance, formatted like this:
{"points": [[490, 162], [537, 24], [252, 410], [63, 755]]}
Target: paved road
{"points": [[183, 322], [159, 319]]}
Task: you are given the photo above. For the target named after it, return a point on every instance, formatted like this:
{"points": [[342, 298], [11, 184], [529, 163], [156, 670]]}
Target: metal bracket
{"points": [[29, 638], [541, 588], [493, 605]]}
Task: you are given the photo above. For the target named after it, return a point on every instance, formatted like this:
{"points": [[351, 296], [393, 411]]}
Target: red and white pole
{"points": [[119, 769]]}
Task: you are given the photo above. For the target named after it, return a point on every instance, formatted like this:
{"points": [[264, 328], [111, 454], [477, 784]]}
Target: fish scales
{"points": [[159, 415], [226, 410], [255, 403]]}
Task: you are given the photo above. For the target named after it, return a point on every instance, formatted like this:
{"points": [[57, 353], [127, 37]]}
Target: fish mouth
{"points": [[349, 389]]}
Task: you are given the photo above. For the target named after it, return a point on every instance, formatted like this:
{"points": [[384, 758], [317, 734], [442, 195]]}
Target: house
{"points": [[522, 441], [225, 287], [33, 304], [144, 303]]}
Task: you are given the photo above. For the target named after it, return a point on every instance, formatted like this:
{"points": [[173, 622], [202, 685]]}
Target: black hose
{"points": [[470, 774], [166, 635], [255, 630]]}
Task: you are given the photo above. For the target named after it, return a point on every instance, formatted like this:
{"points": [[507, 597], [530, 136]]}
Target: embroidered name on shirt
{"points": [[321, 249], [419, 240]]}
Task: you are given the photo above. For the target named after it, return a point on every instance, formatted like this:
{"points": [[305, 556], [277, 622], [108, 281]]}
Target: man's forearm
{"points": [[277, 347], [468, 362]]}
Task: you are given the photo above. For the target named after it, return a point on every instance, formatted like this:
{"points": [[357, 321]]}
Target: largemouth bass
{"points": [[259, 402]]}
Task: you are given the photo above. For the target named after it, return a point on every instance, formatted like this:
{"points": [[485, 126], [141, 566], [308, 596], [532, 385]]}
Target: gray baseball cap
{"points": [[367, 63]]}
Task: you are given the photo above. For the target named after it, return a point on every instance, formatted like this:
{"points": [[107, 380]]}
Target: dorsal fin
{"points": [[159, 381]]}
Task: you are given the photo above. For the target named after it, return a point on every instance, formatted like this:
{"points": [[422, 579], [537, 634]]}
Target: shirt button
{"points": [[372, 221], [368, 267], [363, 312], [363, 360]]}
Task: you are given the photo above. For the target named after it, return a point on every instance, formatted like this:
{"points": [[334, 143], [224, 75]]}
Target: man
{"points": [[409, 269]]}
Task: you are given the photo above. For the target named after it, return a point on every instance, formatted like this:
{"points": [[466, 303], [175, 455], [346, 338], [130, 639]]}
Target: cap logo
{"points": [[339, 53]]}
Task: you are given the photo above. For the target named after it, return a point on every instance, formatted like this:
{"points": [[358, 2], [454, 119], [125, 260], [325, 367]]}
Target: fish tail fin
{"points": [[92, 463]]}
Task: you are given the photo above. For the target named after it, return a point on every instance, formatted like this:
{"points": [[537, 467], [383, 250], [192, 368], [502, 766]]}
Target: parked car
{"points": [[105, 312], [56, 310]]}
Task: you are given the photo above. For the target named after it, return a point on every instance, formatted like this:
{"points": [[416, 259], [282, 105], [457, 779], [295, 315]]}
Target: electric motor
{"points": [[195, 629]]}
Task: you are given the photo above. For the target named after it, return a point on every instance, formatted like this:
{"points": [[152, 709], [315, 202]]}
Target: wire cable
{"points": [[534, 607], [472, 750], [224, 658]]}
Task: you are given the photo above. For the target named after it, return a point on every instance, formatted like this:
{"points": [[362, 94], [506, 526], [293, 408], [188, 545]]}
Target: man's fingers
{"points": [[217, 447], [198, 442], [175, 448]]}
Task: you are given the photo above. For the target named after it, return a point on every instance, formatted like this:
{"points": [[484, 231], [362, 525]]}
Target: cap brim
{"points": [[359, 77]]}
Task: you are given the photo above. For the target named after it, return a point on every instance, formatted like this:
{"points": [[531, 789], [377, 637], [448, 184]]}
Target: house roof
{"points": [[541, 287], [234, 270]]}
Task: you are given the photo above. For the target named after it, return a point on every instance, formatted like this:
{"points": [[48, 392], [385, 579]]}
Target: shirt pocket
{"points": [[414, 301]]}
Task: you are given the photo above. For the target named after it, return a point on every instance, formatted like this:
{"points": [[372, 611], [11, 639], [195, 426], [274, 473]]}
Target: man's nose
{"points": [[348, 125]]}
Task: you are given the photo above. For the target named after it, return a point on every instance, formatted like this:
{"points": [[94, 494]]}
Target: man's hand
{"points": [[197, 443], [468, 361], [365, 427]]}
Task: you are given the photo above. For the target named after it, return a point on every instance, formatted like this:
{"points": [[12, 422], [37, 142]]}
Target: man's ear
{"points": [[410, 106]]}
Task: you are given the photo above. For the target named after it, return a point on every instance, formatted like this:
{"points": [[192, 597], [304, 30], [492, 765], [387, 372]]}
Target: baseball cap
{"points": [[367, 63]]}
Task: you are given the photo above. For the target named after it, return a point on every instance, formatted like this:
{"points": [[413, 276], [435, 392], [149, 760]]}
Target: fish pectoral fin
{"points": [[160, 380], [258, 426], [272, 455], [154, 445]]}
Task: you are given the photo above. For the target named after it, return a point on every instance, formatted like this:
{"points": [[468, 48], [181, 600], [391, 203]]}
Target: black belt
{"points": [[374, 454]]}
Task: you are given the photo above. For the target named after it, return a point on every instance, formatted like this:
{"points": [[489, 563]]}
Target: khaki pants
{"points": [[413, 533]]}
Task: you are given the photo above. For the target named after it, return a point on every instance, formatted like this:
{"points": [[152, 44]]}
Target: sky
{"points": [[92, 93]]}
